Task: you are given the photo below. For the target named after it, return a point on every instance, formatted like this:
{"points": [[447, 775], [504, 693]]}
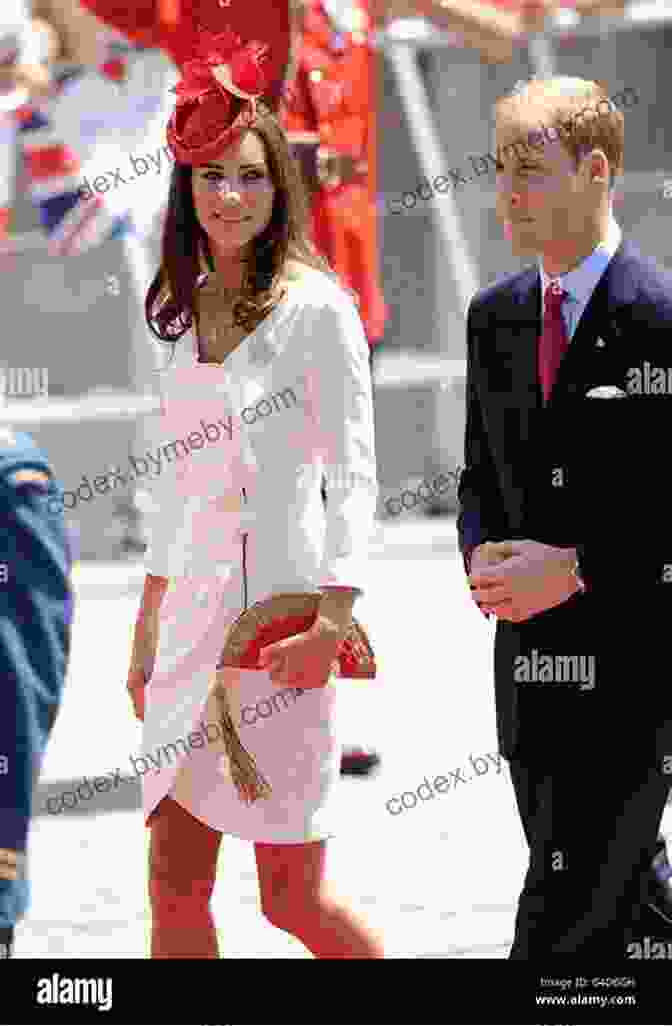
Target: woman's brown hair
{"points": [[170, 301]]}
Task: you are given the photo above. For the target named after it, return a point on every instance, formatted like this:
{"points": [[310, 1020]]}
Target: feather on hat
{"points": [[216, 97], [175, 26]]}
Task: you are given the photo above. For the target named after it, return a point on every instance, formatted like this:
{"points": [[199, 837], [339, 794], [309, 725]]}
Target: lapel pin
{"points": [[600, 343]]}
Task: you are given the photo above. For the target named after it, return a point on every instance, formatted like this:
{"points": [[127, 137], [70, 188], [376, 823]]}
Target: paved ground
{"points": [[440, 879]]}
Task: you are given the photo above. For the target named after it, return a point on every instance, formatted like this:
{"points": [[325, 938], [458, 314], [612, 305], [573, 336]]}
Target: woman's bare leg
{"points": [[182, 868], [296, 898]]}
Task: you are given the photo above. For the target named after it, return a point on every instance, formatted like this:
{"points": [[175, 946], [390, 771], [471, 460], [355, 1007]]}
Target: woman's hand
{"points": [[145, 641], [304, 660], [136, 684]]}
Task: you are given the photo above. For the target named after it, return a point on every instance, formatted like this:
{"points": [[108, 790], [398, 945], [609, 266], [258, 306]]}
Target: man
{"points": [[35, 620], [589, 751]]}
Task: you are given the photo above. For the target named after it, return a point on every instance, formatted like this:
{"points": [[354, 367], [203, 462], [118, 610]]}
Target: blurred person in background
{"points": [[26, 48], [101, 98], [36, 608], [73, 108]]}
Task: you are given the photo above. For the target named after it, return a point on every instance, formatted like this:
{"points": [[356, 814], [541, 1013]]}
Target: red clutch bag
{"points": [[283, 615], [274, 619]]}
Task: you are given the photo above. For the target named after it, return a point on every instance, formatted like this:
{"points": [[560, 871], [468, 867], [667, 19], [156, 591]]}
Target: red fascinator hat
{"points": [[176, 26], [216, 97]]}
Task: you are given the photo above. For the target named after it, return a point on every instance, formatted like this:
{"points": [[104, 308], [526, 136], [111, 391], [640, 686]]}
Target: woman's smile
{"points": [[229, 220]]}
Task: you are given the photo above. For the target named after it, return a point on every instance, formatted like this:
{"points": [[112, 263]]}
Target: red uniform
{"points": [[334, 94]]}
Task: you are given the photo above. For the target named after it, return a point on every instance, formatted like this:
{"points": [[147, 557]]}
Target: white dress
{"points": [[291, 403]]}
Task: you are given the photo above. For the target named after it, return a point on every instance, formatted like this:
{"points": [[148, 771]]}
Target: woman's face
{"points": [[233, 195]]}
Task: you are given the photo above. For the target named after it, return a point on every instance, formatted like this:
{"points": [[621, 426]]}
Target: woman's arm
{"points": [[146, 636], [344, 412]]}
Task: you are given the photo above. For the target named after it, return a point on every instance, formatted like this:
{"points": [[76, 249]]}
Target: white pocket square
{"points": [[606, 392]]}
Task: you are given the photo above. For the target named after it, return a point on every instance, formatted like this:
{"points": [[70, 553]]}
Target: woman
{"points": [[269, 358]]}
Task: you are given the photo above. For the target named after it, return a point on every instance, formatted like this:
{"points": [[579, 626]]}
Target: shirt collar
{"points": [[581, 280]]}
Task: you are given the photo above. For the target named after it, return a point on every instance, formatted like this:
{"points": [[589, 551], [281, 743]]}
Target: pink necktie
{"points": [[553, 340]]}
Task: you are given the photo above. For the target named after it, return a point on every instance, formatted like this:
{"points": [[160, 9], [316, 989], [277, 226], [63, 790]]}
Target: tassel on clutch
{"points": [[273, 619]]}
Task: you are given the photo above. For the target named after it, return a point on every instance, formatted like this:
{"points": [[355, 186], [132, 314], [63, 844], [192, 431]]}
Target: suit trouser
{"points": [[591, 815]]}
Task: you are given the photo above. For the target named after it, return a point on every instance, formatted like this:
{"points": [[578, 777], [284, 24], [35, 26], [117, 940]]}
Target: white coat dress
{"points": [[239, 518]]}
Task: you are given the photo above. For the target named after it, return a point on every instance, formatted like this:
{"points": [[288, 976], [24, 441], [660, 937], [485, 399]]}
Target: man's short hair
{"points": [[580, 111]]}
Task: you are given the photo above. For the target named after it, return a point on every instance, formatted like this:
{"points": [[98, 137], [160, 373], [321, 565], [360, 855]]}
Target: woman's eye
{"points": [[248, 176]]}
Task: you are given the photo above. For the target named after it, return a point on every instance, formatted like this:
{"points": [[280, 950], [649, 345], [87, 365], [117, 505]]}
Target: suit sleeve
{"points": [[481, 514], [344, 409], [36, 608]]}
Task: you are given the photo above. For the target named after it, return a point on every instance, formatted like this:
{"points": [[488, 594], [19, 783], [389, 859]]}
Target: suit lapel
{"points": [[602, 318]]}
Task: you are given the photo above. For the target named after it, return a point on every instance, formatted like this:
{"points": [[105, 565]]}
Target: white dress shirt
{"points": [[580, 282]]}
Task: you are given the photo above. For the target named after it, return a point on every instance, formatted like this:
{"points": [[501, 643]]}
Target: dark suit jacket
{"points": [[35, 618], [584, 472]]}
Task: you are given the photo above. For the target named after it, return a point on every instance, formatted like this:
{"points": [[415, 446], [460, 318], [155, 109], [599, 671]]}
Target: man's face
{"points": [[540, 193], [233, 195]]}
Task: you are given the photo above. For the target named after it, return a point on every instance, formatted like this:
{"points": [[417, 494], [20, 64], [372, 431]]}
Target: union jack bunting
{"points": [[91, 115]]}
